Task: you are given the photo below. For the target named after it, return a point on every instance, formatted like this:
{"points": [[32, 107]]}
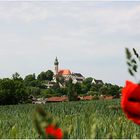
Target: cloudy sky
{"points": [[88, 37]]}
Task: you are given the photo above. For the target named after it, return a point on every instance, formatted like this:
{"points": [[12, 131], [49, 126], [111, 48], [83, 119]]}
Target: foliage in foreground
{"points": [[92, 119]]}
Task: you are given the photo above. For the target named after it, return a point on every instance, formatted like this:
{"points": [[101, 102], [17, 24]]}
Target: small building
{"points": [[49, 84], [77, 77], [95, 81], [39, 101]]}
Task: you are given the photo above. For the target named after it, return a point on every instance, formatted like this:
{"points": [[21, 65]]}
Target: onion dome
{"points": [[56, 61]]}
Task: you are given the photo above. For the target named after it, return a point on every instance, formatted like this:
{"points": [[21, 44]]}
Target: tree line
{"points": [[17, 90]]}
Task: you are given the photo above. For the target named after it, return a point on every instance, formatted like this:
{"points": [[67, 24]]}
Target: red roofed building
{"points": [[87, 97], [64, 72], [57, 99], [60, 72]]}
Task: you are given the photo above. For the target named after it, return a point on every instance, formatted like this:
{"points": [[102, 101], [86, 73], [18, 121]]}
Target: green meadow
{"points": [[81, 119]]}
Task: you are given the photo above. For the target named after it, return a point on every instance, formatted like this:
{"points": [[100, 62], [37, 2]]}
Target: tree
{"points": [[42, 76], [6, 91], [48, 93], [77, 88], [20, 92], [12, 91], [93, 93], [30, 77], [49, 75], [71, 91], [34, 91], [88, 80], [96, 87], [30, 80], [16, 76], [86, 85], [114, 90], [104, 90]]}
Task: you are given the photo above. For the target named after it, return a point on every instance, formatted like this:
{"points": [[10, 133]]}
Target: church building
{"points": [[67, 74]]}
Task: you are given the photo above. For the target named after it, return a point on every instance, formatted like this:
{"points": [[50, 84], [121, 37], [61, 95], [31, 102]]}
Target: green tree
{"points": [[71, 91], [88, 81], [49, 75], [16, 76], [12, 91], [77, 88], [34, 91], [42, 76], [30, 80], [93, 93], [95, 87], [30, 77], [20, 93], [48, 93], [7, 91], [114, 90], [104, 90], [86, 85]]}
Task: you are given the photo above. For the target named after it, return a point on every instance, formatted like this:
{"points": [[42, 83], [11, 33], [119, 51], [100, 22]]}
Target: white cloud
{"points": [[106, 19], [22, 11]]}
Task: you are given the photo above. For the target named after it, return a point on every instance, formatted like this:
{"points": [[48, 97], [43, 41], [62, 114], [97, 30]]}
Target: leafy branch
{"points": [[132, 61]]}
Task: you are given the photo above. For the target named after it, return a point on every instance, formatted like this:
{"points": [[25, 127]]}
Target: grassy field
{"points": [[83, 119]]}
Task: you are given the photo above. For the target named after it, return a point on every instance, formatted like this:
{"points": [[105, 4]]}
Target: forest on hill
{"points": [[18, 90]]}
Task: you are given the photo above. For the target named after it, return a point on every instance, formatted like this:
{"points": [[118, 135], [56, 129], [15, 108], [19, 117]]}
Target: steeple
{"points": [[56, 63]]}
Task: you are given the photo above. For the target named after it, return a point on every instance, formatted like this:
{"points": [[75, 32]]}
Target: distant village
{"points": [[67, 75], [57, 85]]}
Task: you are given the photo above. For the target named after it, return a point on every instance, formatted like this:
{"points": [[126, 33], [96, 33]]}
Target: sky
{"points": [[88, 37]]}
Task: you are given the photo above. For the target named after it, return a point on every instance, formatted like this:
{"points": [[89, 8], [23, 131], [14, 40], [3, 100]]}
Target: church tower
{"points": [[56, 63]]}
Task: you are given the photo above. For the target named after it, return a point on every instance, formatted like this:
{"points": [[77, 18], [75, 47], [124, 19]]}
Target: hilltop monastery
{"points": [[67, 74]]}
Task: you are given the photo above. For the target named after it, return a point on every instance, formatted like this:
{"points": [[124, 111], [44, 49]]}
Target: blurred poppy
{"points": [[54, 132], [58, 133], [130, 101], [50, 130]]}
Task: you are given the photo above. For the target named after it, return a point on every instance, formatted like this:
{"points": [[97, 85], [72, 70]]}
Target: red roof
{"points": [[108, 97], [64, 72], [57, 99], [87, 97]]}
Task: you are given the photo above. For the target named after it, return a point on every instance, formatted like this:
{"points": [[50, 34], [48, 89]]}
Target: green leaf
{"points": [[13, 132], [133, 61], [135, 52], [130, 71], [129, 64], [128, 53], [135, 68]]}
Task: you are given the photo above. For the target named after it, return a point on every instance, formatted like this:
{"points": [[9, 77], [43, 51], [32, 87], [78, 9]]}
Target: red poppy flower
{"points": [[54, 132], [50, 130], [58, 133], [130, 102]]}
